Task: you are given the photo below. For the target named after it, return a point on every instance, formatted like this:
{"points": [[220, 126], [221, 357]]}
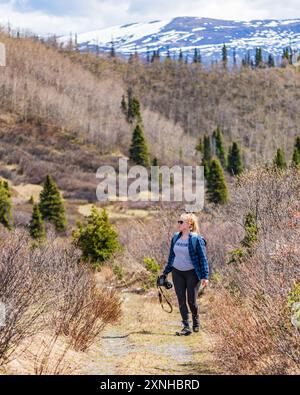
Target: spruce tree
{"points": [[296, 153], [138, 151], [216, 185], [133, 107], [98, 240], [220, 151], [51, 204], [258, 57], [224, 56], [112, 50], [206, 155], [199, 146], [168, 57], [197, 56], [148, 55], [180, 57], [234, 162], [5, 205], [296, 158], [271, 61], [155, 162], [37, 226], [124, 106], [251, 230], [297, 143], [279, 160]]}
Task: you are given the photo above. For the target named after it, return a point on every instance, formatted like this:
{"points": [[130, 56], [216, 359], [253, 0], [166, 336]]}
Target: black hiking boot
{"points": [[196, 323], [185, 331]]}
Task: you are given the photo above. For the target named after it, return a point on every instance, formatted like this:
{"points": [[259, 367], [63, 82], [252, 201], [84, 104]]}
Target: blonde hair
{"points": [[193, 222]]}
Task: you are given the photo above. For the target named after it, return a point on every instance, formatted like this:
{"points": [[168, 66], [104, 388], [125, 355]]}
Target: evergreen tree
{"points": [[206, 155], [133, 107], [156, 174], [197, 56], [271, 61], [258, 57], [234, 162], [180, 57], [98, 240], [220, 151], [124, 106], [199, 146], [296, 158], [138, 151], [155, 56], [224, 56], [155, 162], [251, 230], [279, 160], [51, 205], [216, 185], [112, 50], [136, 55], [37, 226], [288, 55], [297, 143], [5, 205], [168, 54], [296, 153], [148, 60]]}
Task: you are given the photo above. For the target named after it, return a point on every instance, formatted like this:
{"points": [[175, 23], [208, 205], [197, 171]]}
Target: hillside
{"points": [[93, 305], [256, 107], [56, 116]]}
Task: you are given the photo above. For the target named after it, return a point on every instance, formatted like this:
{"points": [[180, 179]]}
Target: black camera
{"points": [[163, 282]]}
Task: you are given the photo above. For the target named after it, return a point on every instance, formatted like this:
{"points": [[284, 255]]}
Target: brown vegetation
{"points": [[47, 288], [249, 304]]}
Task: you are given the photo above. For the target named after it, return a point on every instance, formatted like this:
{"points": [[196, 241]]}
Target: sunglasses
{"points": [[180, 222]]}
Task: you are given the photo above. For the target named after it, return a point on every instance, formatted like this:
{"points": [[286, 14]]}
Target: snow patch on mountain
{"points": [[185, 33]]}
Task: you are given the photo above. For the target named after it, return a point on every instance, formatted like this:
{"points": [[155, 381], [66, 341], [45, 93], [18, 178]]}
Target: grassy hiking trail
{"points": [[144, 342]]}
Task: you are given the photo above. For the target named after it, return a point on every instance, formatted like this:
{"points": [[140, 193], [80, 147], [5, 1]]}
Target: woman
{"points": [[189, 268]]}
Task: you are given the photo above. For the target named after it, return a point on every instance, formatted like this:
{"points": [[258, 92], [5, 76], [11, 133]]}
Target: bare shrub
{"points": [[21, 293], [79, 310], [50, 361], [249, 306], [47, 287]]}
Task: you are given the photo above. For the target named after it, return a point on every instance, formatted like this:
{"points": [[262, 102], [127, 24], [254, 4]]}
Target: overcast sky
{"points": [[63, 16]]}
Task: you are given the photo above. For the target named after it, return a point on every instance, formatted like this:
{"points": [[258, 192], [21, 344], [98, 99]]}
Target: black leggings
{"points": [[186, 282]]}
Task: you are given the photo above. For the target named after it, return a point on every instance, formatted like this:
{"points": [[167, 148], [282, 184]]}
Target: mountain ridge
{"points": [[187, 33]]}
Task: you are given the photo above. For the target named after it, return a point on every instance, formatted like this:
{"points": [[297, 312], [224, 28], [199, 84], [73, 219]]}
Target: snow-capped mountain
{"points": [[188, 33]]}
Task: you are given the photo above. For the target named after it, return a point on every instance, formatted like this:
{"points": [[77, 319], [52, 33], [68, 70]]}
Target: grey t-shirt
{"points": [[182, 260]]}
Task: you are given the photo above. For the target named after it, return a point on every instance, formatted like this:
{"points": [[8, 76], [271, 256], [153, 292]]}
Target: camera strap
{"points": [[161, 295]]}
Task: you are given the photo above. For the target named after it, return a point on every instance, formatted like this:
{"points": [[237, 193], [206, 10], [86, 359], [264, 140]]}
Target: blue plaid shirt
{"points": [[198, 258]]}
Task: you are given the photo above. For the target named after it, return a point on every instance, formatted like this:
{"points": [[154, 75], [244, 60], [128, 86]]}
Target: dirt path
{"points": [[145, 343]]}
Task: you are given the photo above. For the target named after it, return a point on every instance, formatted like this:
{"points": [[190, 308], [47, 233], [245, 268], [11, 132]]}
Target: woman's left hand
{"points": [[204, 283]]}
